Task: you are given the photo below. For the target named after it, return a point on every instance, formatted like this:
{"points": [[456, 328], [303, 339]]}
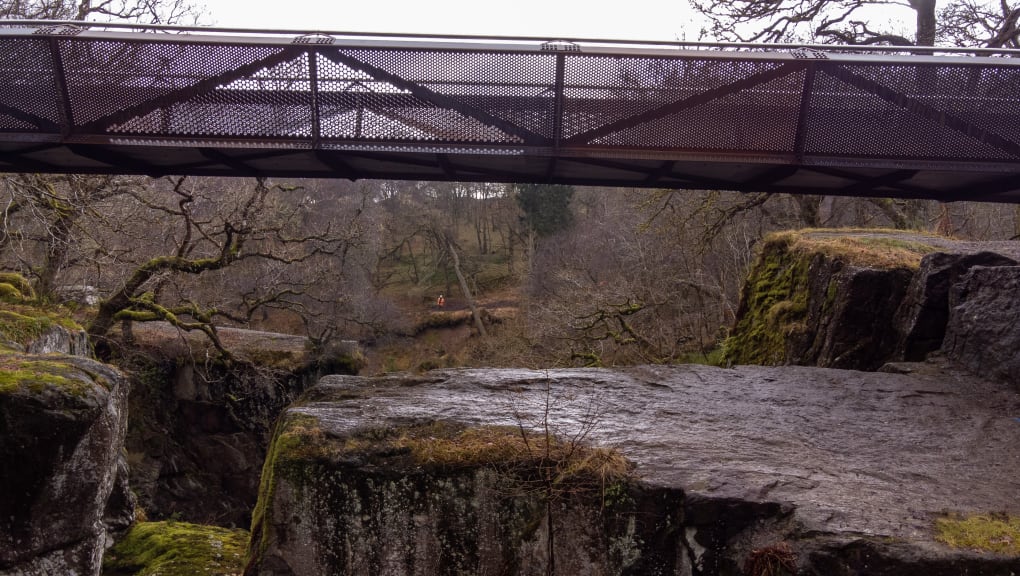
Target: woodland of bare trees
{"points": [[597, 276]]}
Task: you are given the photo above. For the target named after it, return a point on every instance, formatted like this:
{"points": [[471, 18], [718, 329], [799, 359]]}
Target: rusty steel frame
{"points": [[78, 98]]}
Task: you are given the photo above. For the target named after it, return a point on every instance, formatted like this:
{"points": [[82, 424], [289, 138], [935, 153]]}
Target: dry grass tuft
{"points": [[776, 560], [865, 248]]}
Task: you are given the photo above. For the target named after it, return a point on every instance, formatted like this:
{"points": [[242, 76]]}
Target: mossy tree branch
{"points": [[245, 225]]}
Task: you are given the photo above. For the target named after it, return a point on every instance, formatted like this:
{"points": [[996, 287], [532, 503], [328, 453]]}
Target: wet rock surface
{"points": [[62, 424], [924, 313], [849, 467], [199, 429], [983, 331], [858, 300]]}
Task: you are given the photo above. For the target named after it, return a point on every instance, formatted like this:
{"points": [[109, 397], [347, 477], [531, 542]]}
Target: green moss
{"points": [[14, 288], [774, 304], [22, 323], [19, 373], [830, 295], [295, 437], [999, 533], [177, 549]]}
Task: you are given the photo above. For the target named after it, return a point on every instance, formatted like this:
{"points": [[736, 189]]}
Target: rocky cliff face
{"points": [[199, 429], [62, 424], [836, 472], [433, 497], [983, 328], [60, 340], [859, 300]]}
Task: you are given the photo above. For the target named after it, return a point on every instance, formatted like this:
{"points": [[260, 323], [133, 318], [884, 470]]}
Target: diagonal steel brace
{"points": [[530, 138]]}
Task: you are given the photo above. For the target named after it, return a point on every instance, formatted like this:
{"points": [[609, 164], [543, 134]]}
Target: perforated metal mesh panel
{"points": [[905, 118], [28, 92], [491, 111]]}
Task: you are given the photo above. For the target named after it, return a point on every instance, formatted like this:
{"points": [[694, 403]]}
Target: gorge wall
{"points": [[858, 300], [63, 479], [847, 471]]}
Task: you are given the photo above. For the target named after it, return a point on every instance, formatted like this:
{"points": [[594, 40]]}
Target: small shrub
{"points": [[776, 560]]}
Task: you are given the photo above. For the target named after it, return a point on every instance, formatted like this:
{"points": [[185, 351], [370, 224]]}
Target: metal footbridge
{"points": [[88, 98]]}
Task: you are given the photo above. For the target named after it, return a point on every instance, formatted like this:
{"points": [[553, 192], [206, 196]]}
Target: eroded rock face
{"points": [[60, 340], [837, 300], [983, 331], [376, 509], [62, 424], [199, 430], [924, 313], [849, 468], [808, 305]]}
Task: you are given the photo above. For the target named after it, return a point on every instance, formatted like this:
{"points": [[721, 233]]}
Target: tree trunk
{"points": [[56, 254], [807, 208], [467, 292], [925, 22]]}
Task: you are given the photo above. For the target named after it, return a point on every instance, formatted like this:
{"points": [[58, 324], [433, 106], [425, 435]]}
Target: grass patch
{"points": [[447, 445], [999, 533], [865, 248], [714, 357], [177, 549]]}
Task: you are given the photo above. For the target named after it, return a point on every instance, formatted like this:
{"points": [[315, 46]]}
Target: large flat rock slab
{"points": [[853, 453]]}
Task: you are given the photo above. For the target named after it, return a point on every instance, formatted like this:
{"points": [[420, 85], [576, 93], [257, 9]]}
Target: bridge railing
{"points": [[584, 111]]}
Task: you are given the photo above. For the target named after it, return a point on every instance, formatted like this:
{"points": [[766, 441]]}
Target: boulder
{"points": [[823, 299], [60, 340], [924, 312], [838, 472], [983, 332], [423, 497], [62, 425], [855, 300]]}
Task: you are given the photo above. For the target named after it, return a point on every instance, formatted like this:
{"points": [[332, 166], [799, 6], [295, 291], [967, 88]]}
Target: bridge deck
{"points": [[191, 101]]}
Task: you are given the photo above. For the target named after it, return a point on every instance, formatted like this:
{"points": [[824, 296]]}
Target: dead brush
{"points": [[776, 560]]}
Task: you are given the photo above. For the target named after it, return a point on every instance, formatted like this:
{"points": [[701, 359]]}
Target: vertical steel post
{"points": [[313, 79], [64, 96], [805, 105]]}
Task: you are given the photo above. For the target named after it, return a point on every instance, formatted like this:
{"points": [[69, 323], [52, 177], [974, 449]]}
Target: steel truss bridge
{"points": [[88, 98]]}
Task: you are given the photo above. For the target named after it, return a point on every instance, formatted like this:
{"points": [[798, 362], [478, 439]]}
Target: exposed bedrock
{"points": [[983, 332], [848, 469], [199, 429], [924, 312], [63, 481], [858, 300]]}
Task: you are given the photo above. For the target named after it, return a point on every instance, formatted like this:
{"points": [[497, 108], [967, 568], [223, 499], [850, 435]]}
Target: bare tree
{"points": [[141, 11], [210, 228]]}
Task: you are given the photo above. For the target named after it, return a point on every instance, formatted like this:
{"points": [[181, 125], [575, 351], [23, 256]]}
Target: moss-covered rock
{"points": [[999, 533], [824, 299], [436, 497], [62, 423], [177, 549], [14, 288], [199, 428], [40, 330]]}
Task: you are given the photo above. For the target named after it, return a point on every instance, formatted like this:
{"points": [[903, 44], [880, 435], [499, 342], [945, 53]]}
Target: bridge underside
{"points": [[800, 121]]}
